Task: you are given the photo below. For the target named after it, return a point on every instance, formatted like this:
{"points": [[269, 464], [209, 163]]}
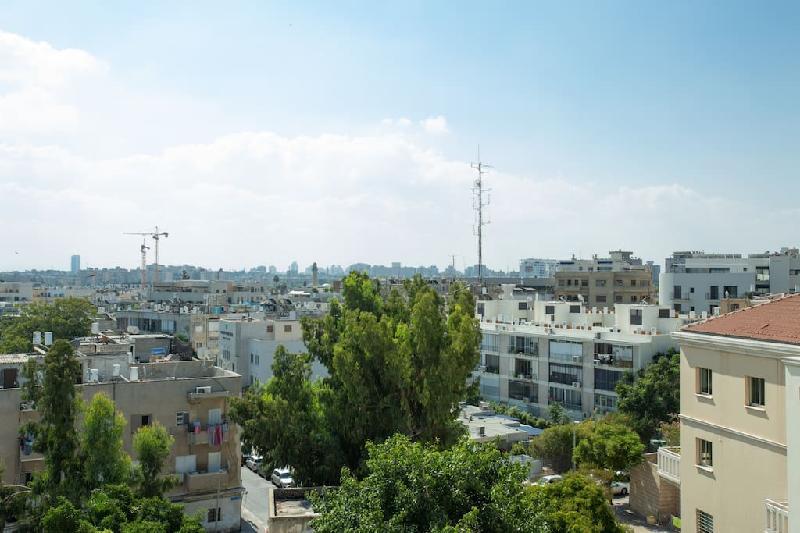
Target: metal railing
{"points": [[669, 463], [777, 517]]}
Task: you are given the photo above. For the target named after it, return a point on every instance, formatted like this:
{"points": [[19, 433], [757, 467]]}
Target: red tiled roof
{"points": [[776, 321]]}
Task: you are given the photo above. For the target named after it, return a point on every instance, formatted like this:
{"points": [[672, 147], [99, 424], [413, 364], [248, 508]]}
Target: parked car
{"points": [[282, 478], [245, 457], [553, 478], [620, 488], [254, 462]]}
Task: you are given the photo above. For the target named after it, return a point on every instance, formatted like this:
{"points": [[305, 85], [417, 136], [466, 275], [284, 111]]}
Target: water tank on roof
{"points": [[134, 373]]}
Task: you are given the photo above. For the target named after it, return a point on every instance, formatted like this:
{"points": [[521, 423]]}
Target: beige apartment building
{"points": [[190, 398], [603, 282], [740, 398]]}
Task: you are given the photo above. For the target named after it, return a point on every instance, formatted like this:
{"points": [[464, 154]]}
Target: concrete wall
{"points": [[652, 495]]}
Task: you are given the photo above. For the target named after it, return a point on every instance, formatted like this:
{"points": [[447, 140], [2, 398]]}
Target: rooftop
{"points": [[776, 321]]}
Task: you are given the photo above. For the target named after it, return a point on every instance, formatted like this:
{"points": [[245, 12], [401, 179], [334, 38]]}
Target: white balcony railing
{"points": [[669, 463], [777, 517]]}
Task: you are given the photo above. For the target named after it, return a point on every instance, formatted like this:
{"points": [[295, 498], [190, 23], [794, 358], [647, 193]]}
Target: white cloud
{"points": [[435, 125], [260, 197], [40, 83]]}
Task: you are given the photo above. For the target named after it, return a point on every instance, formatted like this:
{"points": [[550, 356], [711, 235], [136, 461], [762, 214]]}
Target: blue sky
{"points": [[689, 108]]}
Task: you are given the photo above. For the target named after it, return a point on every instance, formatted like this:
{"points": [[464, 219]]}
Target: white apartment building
{"points": [[16, 291], [189, 398], [535, 353], [740, 401], [537, 268], [247, 345], [696, 281]]}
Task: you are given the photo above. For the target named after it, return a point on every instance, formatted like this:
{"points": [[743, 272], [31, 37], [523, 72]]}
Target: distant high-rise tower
{"points": [[75, 263], [314, 275]]}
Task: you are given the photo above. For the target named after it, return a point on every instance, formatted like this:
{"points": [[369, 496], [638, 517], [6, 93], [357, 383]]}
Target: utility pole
{"points": [[480, 199]]}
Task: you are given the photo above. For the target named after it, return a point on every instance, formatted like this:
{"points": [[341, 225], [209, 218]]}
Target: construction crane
{"points": [[144, 264], [156, 236]]}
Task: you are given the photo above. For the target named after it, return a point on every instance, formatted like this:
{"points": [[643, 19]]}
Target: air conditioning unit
{"points": [[576, 384], [203, 390]]}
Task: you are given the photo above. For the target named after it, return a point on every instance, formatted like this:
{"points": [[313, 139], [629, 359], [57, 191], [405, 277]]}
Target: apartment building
{"points": [[247, 345], [697, 281], [16, 291], [535, 353], [740, 400], [537, 268], [617, 279], [190, 398]]}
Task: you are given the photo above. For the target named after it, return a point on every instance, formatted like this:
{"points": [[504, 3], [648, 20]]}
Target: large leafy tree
{"points": [[397, 364], [653, 397], [104, 461], [65, 317], [555, 445], [609, 446], [55, 433], [412, 486], [152, 445]]}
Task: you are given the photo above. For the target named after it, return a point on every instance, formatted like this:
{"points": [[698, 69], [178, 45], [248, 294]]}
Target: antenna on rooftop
{"points": [[480, 199]]}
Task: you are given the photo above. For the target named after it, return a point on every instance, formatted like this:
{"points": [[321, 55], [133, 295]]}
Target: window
{"points": [[523, 306], [599, 283], [633, 283], [270, 328], [258, 360], [549, 309], [569, 398], [604, 402], [492, 363], [636, 317], [584, 283], [251, 359], [606, 379], [574, 308], [565, 374], [522, 390], [705, 453], [287, 328], [146, 420], [755, 394], [691, 290], [676, 292], [713, 292], [634, 299], [704, 382], [663, 313], [181, 418], [600, 299], [214, 514], [705, 522], [618, 298], [566, 351]]}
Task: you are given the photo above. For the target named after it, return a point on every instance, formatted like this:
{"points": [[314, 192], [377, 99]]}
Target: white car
{"points": [[620, 488], [553, 478], [282, 478], [254, 462]]}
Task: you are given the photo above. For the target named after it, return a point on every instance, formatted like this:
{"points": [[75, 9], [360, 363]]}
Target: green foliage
{"points": [[469, 487], [55, 433], [103, 459], [519, 414], [554, 445], [671, 432], [654, 397], [152, 445], [608, 445], [557, 414], [397, 365], [472, 396], [65, 317], [116, 508]]}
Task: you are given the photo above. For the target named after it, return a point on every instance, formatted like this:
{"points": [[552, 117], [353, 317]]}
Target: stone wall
{"points": [[652, 495]]}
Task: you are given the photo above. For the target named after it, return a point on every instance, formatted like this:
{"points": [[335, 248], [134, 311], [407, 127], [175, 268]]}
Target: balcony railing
{"points": [[777, 516], [214, 434], [669, 463], [601, 359]]}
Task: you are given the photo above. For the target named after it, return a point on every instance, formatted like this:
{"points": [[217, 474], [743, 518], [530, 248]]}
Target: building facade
{"points": [[697, 281], [535, 353], [604, 282], [740, 445], [190, 398]]}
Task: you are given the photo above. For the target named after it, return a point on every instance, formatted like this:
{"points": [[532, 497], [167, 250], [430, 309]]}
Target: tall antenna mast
{"points": [[480, 199]]}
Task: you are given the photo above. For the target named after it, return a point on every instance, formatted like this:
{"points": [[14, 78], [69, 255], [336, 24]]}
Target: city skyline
{"points": [[282, 131]]}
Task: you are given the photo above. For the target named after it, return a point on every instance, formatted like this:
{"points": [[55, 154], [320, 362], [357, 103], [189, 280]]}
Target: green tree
{"points": [[470, 487], [555, 445], [608, 445], [104, 460], [397, 365], [67, 318], [653, 397], [557, 414], [55, 433], [152, 445]]}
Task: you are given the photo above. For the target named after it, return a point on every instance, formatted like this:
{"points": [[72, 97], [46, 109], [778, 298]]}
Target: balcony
{"points": [[195, 397], [669, 463], [205, 481], [208, 434], [604, 360], [777, 516]]}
